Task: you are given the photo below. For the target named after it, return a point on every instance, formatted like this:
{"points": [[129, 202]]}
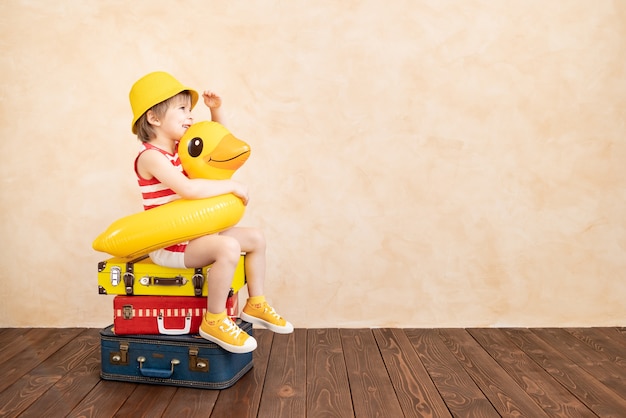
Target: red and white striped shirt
{"points": [[153, 192]]}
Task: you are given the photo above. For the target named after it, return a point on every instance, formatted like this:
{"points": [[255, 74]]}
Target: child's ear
{"points": [[152, 118]]}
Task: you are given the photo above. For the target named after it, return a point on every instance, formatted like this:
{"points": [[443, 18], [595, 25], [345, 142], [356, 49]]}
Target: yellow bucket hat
{"points": [[152, 89]]}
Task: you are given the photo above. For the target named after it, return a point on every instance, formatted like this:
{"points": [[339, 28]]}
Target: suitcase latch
{"points": [[197, 364], [127, 311], [129, 282], [198, 282], [116, 275], [120, 358]]}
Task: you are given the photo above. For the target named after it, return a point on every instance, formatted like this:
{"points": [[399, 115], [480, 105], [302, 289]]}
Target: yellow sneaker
{"points": [[225, 333], [259, 312]]}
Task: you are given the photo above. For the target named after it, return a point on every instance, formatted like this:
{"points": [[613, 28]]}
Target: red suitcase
{"points": [[166, 315]]}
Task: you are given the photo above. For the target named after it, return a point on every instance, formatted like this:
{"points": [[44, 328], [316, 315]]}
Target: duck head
{"points": [[208, 150]]}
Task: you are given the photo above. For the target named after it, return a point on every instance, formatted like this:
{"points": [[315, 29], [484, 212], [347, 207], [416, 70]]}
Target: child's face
{"points": [[177, 118]]}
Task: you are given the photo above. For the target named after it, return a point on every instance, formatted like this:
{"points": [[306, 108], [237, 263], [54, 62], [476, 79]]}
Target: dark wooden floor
{"points": [[577, 372]]}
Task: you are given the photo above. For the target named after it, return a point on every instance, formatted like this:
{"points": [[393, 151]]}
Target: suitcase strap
{"points": [[129, 276], [198, 282]]}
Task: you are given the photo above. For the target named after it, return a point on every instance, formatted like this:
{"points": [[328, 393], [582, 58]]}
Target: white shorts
{"points": [[167, 258]]}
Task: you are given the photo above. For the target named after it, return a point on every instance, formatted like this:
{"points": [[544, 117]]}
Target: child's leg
{"points": [[223, 252], [252, 242], [257, 310]]}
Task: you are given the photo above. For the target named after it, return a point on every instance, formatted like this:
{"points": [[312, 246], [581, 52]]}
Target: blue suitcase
{"points": [[181, 360]]}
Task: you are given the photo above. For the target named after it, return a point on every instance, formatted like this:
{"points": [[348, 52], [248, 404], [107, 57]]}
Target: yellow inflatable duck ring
{"points": [[207, 150]]}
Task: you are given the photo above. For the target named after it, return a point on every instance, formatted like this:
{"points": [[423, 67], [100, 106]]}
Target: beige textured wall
{"points": [[415, 163]]}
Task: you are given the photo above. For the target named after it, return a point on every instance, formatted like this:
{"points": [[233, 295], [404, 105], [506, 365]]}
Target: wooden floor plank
{"points": [[104, 400], [12, 342], [614, 334], [190, 403], [461, 395], [147, 401], [549, 394], [605, 343], [284, 392], [32, 385], [589, 390], [505, 395], [416, 393], [328, 390], [371, 388], [38, 345], [68, 392], [594, 362], [243, 399]]}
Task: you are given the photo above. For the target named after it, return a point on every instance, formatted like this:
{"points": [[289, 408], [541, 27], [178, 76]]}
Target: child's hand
{"points": [[212, 100], [241, 191]]}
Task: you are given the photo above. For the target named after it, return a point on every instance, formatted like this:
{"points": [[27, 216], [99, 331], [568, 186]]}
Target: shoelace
{"points": [[271, 311], [232, 328]]}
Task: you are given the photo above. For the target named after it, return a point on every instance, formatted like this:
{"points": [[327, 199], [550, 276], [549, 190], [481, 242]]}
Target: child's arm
{"points": [[152, 163], [213, 102]]}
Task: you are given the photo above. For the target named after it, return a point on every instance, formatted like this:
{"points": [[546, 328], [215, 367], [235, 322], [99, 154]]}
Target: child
{"points": [[161, 114]]}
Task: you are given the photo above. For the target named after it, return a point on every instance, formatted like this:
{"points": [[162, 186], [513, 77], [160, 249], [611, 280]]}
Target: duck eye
{"points": [[195, 147]]}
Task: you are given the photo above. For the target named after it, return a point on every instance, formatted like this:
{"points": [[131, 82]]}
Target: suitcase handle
{"points": [[165, 331], [163, 281], [158, 373]]}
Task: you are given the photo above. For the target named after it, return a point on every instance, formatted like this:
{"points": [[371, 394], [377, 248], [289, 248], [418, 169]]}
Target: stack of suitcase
{"points": [[156, 315]]}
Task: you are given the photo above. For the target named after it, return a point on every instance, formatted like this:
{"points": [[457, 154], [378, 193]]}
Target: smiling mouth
{"points": [[213, 160], [232, 162]]}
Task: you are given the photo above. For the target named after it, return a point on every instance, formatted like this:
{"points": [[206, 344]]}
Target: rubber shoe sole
{"points": [[249, 346], [286, 329]]}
